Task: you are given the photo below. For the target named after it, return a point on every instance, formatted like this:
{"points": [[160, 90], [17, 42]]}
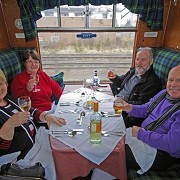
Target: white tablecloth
{"points": [[81, 143]]}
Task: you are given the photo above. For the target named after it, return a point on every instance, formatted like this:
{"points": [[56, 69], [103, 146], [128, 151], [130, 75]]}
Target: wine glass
{"points": [[87, 83], [24, 103], [35, 77]]}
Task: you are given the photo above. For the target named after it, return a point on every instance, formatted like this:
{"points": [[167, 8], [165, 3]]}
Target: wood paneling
{"points": [[12, 12], [172, 34], [142, 41], [4, 42]]}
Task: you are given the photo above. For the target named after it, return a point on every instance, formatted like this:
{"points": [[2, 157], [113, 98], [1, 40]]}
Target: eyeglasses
{"points": [[174, 80], [32, 61]]}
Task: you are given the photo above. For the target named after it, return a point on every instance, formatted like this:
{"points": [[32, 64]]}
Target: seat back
{"points": [[164, 60]]}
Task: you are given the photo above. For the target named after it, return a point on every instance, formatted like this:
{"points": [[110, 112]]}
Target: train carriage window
{"points": [[112, 48]]}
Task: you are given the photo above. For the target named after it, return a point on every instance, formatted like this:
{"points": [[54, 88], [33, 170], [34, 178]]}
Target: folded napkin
{"points": [[9, 158], [143, 153], [41, 152]]}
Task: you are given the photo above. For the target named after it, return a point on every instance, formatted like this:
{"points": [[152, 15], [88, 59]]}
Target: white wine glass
{"points": [[24, 103], [35, 77]]}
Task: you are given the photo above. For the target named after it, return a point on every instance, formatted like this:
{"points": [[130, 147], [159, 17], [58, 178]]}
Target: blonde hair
{"points": [[2, 76]]}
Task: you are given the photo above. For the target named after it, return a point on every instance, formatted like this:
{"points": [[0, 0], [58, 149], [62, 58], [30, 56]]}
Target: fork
{"points": [[70, 133]]}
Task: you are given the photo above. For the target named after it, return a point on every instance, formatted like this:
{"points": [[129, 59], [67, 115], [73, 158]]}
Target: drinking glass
{"points": [[24, 103], [87, 83], [89, 102], [35, 77], [117, 105]]}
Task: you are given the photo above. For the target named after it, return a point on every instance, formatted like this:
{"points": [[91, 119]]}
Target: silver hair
{"points": [[151, 55]]}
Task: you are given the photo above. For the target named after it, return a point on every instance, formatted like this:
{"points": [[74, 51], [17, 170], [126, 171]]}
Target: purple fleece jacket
{"points": [[167, 136]]}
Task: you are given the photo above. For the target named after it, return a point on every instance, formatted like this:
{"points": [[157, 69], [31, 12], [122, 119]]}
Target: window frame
{"points": [[86, 28]]}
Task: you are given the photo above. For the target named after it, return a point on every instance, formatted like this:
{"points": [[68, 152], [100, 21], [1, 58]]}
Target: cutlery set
{"points": [[73, 132], [70, 133], [78, 103]]}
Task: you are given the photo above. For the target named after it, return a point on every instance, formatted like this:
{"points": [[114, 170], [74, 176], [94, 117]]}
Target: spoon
{"points": [[82, 115]]}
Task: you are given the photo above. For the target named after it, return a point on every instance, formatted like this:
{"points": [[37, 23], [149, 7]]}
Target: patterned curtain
{"points": [[150, 11]]}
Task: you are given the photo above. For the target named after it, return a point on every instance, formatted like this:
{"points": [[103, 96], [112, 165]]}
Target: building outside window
{"points": [[62, 50]]}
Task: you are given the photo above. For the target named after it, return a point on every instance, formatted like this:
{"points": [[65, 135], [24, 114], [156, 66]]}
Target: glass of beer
{"points": [[89, 102], [117, 105]]}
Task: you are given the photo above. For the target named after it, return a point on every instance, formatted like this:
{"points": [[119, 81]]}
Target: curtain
{"points": [[150, 11]]}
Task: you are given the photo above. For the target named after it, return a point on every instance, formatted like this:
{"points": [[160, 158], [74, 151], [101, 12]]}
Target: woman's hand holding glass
{"points": [[18, 119], [32, 83], [34, 80]]}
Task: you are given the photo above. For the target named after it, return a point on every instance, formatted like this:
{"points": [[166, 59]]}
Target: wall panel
{"points": [[12, 12], [142, 41], [172, 34], [4, 42]]}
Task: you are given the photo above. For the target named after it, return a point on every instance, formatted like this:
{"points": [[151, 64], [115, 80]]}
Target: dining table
{"points": [[74, 155]]}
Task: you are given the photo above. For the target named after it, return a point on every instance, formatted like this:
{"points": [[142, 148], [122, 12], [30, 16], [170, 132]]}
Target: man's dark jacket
{"points": [[148, 86]]}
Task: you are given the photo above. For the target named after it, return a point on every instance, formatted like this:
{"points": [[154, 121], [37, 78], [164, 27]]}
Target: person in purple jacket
{"points": [[163, 135]]}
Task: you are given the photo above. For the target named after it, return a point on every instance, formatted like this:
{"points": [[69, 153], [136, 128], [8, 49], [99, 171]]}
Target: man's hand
{"points": [[111, 75], [126, 107], [135, 130]]}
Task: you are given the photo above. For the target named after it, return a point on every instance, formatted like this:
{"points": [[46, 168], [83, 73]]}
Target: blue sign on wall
{"points": [[85, 35]]}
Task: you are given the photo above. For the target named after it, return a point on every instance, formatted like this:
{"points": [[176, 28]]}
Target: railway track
{"points": [[78, 66]]}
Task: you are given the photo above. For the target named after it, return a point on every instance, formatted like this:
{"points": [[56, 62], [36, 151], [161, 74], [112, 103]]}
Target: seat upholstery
{"points": [[164, 60], [10, 64]]}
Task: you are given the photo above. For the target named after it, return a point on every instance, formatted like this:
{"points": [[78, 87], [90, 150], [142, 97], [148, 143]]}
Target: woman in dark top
{"points": [[17, 131]]}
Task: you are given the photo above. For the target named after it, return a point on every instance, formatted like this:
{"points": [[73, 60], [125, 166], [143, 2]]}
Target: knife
{"points": [[65, 132], [77, 130], [113, 132], [64, 104], [111, 115]]}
